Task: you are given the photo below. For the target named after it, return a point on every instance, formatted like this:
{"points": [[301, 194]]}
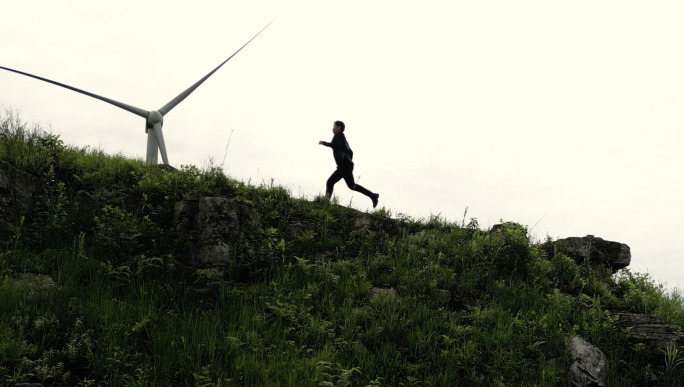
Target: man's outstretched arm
{"points": [[337, 143]]}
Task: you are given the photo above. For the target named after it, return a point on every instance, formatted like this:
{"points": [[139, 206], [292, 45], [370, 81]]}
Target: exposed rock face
{"points": [[651, 331], [210, 224], [297, 228], [605, 257], [380, 292], [589, 367], [375, 223], [35, 286], [17, 190]]}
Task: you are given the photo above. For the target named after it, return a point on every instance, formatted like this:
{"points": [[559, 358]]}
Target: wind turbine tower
{"points": [[154, 119]]}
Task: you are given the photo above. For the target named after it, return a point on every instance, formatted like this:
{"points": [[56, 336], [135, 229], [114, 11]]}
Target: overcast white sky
{"points": [[571, 112]]}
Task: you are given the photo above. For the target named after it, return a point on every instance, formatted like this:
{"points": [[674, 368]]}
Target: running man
{"points": [[345, 166]]}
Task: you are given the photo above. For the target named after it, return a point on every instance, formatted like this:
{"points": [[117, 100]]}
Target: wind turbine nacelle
{"points": [[153, 118]]}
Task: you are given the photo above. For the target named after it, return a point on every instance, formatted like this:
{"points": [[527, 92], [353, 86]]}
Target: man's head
{"points": [[338, 127]]}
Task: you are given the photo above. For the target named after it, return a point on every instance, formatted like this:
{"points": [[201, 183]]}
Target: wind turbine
{"points": [[154, 118]]}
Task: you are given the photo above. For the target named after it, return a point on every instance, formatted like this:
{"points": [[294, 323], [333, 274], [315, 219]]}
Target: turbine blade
{"points": [[160, 140], [167, 108], [132, 109]]}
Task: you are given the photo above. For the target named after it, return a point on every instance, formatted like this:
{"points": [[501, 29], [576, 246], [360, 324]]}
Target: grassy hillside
{"points": [[467, 308]]}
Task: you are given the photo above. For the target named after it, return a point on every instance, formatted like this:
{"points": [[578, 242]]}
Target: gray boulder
{"points": [[652, 332], [34, 286], [17, 192], [605, 257], [589, 366], [209, 225]]}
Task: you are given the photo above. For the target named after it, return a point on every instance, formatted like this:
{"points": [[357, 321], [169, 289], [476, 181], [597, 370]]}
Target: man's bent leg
{"points": [[365, 191], [332, 180], [349, 179]]}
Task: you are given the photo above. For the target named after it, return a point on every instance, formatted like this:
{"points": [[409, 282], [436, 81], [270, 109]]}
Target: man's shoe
{"points": [[374, 198]]}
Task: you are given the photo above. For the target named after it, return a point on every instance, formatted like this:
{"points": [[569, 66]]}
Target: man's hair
{"points": [[340, 125]]}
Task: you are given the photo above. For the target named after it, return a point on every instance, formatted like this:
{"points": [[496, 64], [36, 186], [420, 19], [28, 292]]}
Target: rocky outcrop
{"points": [[381, 292], [35, 286], [605, 257], [374, 223], [652, 332], [17, 192], [589, 364], [209, 224], [297, 228]]}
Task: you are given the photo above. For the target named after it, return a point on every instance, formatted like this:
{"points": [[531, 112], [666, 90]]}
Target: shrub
{"points": [[564, 274], [510, 252], [639, 292]]}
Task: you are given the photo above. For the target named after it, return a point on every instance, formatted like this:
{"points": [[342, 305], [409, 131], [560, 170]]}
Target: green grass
{"points": [[469, 308]]}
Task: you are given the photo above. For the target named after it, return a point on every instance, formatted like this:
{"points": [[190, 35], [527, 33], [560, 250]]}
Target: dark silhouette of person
{"points": [[345, 166]]}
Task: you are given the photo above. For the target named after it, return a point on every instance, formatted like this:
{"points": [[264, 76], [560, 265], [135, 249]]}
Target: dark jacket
{"points": [[341, 150]]}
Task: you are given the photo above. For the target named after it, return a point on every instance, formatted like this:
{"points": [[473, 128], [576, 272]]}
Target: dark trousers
{"points": [[347, 175]]}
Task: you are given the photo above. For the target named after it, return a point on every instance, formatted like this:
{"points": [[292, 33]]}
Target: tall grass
{"points": [[467, 307]]}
